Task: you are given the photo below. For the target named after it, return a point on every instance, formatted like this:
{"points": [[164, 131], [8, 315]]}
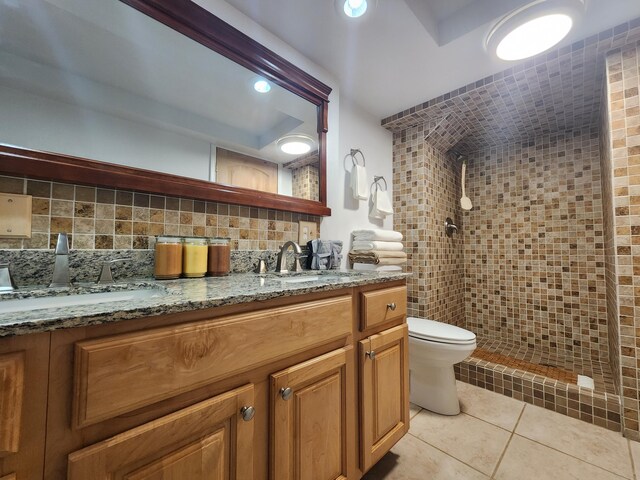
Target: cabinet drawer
{"points": [[122, 373], [382, 306]]}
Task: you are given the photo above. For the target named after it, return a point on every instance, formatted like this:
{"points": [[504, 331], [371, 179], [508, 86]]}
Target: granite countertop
{"points": [[170, 296]]}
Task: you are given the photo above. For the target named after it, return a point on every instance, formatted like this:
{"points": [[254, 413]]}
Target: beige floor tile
{"points": [[466, 438], [635, 454], [413, 410], [527, 460], [489, 406], [587, 442], [412, 459]]}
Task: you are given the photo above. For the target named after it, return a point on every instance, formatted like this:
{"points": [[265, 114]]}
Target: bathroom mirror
{"points": [[157, 96]]}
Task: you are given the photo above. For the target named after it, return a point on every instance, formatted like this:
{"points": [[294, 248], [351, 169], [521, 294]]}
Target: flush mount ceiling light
{"points": [[295, 144], [353, 9], [262, 86], [534, 28]]}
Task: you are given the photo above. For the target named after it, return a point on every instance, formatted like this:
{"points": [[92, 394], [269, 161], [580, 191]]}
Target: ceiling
{"points": [[407, 51]]}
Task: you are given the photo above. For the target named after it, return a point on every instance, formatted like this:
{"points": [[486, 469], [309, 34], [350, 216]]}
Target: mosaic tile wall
{"points": [[534, 247], [611, 283], [426, 188], [99, 218], [306, 182], [558, 90], [623, 84]]}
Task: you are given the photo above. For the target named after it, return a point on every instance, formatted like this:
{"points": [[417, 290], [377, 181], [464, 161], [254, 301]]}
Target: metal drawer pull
{"points": [[286, 393], [247, 413], [371, 354], [391, 306]]}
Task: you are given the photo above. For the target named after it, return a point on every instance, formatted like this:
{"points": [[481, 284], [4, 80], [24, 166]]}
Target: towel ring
{"points": [[376, 182], [353, 153]]}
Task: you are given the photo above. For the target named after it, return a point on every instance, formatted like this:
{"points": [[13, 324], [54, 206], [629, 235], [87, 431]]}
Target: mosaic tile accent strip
{"points": [[555, 91], [534, 246], [102, 219], [554, 373], [602, 409], [426, 188], [623, 85]]}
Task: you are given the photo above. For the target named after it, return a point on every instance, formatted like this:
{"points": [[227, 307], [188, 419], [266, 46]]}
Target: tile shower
{"points": [[545, 267]]}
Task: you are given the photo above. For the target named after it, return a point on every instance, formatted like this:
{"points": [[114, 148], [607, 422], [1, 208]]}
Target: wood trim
{"points": [[11, 398], [78, 170]]}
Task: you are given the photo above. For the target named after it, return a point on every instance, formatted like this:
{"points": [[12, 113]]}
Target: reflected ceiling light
{"points": [[262, 86], [532, 29], [354, 8], [295, 144]]}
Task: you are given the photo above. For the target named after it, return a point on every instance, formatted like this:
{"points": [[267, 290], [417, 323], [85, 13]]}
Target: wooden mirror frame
{"points": [[204, 27]]}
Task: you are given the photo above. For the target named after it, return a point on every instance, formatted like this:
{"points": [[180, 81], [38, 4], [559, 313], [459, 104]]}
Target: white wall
{"points": [[349, 127]]}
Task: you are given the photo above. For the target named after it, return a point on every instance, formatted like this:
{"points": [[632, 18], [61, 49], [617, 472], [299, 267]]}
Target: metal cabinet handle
{"points": [[247, 413], [286, 393], [391, 306], [371, 354]]}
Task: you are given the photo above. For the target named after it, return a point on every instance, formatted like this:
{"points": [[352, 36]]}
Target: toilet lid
{"points": [[438, 331]]}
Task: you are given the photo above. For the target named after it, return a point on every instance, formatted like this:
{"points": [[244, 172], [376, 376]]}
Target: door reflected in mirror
{"points": [[100, 80]]}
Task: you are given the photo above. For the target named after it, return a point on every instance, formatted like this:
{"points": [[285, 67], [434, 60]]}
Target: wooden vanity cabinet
{"points": [[24, 364], [383, 370]]}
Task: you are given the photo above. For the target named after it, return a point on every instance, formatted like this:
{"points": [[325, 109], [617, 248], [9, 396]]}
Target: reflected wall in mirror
{"points": [[100, 80]]}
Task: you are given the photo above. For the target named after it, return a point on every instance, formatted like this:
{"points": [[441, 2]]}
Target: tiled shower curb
{"points": [[602, 409]]}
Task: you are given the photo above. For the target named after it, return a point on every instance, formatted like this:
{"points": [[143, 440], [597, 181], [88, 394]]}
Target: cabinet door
{"points": [[384, 384], [311, 402], [209, 440], [24, 373]]}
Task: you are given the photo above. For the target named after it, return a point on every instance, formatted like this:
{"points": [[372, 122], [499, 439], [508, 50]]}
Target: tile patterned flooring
{"points": [[496, 437]]}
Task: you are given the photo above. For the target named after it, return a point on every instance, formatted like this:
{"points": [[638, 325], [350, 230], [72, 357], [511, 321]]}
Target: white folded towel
{"points": [[381, 206], [376, 245], [359, 186], [377, 234], [376, 268]]}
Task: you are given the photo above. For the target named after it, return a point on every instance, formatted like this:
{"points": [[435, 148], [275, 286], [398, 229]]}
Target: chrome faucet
{"points": [[61, 268], [106, 275], [282, 258]]}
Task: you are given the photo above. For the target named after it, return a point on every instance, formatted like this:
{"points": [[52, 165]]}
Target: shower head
{"points": [[458, 155]]}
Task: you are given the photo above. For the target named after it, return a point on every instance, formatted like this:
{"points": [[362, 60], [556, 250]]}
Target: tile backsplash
{"points": [[104, 219]]}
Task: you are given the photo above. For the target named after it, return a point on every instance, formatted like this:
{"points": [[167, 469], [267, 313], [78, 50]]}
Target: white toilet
{"points": [[434, 347]]}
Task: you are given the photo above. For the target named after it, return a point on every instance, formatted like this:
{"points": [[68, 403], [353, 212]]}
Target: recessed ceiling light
{"points": [[295, 144], [262, 86], [533, 28], [354, 8]]}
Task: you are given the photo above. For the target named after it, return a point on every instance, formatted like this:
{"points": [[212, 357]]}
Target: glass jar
{"points": [[168, 258], [219, 262], [194, 257]]}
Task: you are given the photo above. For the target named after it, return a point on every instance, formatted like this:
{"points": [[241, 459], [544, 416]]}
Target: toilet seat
{"points": [[439, 332]]}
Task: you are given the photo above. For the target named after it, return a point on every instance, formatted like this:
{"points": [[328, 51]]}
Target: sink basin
{"points": [[39, 303]]}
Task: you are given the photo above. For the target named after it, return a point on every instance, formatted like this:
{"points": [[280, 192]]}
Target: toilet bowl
{"points": [[434, 348]]}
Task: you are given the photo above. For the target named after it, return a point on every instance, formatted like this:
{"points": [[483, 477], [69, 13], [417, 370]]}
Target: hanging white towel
{"points": [[377, 234], [359, 186], [381, 206], [377, 245]]}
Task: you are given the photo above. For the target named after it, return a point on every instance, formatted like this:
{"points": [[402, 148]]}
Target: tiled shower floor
{"points": [[599, 371]]}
